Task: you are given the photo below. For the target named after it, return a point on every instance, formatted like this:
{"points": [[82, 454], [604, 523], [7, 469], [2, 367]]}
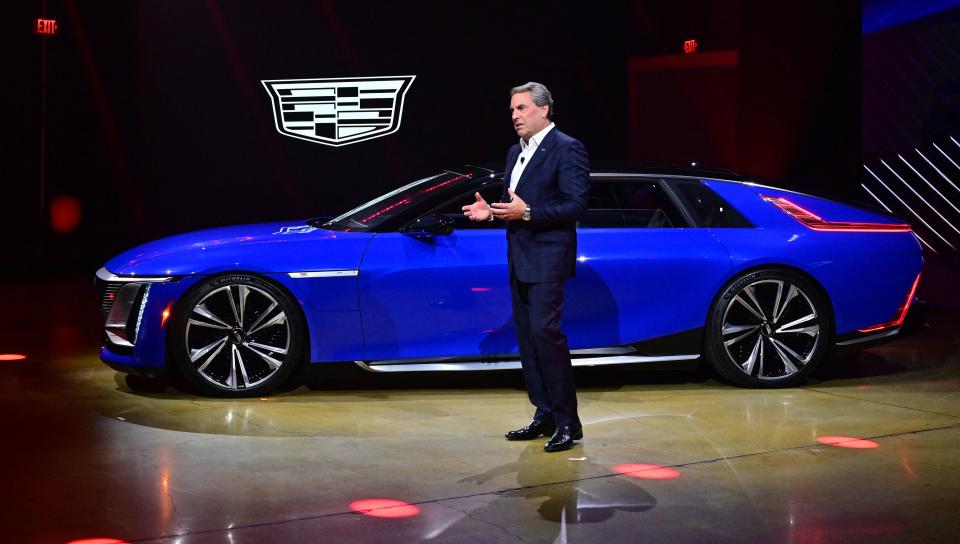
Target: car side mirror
{"points": [[435, 224]]}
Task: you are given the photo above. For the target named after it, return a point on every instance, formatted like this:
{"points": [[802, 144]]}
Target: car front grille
{"points": [[124, 310], [109, 294]]}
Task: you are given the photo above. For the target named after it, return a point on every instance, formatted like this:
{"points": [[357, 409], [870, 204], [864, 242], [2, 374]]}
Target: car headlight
{"points": [[123, 299]]}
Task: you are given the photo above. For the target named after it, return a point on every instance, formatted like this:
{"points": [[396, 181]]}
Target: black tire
{"points": [[768, 328], [237, 335]]}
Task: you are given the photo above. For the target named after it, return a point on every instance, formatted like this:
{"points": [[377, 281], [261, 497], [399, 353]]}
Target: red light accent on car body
{"points": [[12, 357], [98, 541], [848, 442], [901, 311], [445, 183], [403, 202], [815, 222], [165, 315], [384, 508], [647, 472]]}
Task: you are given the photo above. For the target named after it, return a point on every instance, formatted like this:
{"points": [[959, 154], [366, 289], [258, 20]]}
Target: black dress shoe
{"points": [[563, 438], [535, 429]]}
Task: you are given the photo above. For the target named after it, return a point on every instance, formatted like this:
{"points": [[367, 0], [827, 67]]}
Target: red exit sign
{"points": [[45, 27]]}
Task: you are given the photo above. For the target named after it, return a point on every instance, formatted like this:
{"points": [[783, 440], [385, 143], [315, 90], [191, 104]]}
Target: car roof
{"points": [[608, 169], [604, 169]]}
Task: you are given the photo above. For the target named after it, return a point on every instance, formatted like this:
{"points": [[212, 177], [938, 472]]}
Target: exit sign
{"points": [[45, 27]]}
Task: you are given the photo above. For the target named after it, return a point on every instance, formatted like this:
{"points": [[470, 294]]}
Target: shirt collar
{"points": [[536, 139]]}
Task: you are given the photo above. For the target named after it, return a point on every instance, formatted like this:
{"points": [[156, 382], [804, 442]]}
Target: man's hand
{"points": [[479, 210], [510, 211]]}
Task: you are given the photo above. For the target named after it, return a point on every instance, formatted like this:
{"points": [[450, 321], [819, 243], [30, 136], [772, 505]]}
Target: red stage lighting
{"points": [[12, 357], [64, 214], [647, 472], [384, 508], [848, 442]]}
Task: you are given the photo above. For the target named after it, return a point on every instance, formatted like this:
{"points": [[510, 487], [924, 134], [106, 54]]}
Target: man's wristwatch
{"points": [[526, 213]]}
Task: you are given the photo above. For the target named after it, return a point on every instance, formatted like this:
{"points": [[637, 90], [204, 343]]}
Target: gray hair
{"points": [[538, 93]]}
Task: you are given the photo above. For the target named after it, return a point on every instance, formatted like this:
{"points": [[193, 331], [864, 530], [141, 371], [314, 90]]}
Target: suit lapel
{"points": [[538, 156], [511, 164]]}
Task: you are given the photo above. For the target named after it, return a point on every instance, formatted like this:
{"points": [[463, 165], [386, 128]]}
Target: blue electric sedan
{"points": [[672, 266]]}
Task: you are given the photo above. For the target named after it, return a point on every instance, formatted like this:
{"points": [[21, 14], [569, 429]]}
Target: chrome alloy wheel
{"points": [[237, 337], [771, 329]]}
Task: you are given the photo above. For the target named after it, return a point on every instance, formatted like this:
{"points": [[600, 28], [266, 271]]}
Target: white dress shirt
{"points": [[527, 149]]}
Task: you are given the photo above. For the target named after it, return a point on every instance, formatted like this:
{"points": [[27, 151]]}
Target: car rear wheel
{"points": [[769, 328], [237, 336]]}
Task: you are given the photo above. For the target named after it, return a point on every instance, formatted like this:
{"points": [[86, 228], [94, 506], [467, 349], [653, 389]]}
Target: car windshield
{"points": [[370, 215]]}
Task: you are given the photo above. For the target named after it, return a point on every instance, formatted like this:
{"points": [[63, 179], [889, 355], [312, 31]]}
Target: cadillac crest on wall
{"points": [[338, 111]]}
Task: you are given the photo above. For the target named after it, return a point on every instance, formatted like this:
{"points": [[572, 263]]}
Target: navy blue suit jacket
{"points": [[555, 184]]}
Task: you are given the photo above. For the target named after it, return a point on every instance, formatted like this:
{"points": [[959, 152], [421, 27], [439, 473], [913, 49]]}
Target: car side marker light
{"points": [[901, 311], [816, 222], [166, 314]]}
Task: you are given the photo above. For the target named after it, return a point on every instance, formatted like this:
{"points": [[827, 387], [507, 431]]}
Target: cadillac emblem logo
{"points": [[338, 111]]}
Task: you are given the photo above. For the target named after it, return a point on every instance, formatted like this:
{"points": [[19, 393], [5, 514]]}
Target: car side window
{"points": [[630, 203], [709, 209], [454, 208]]}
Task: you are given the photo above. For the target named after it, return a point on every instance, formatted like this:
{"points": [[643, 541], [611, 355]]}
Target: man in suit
{"points": [[546, 181]]}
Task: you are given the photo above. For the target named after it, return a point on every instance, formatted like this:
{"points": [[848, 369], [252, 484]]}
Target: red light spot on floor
{"points": [[384, 508], [647, 472], [98, 541], [64, 214], [848, 442], [12, 357]]}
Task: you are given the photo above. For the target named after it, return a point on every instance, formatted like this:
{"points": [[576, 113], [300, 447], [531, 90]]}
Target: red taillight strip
{"points": [[816, 222], [901, 311]]}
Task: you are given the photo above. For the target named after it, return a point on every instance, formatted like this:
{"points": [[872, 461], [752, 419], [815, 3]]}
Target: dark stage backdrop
{"points": [[155, 122]]}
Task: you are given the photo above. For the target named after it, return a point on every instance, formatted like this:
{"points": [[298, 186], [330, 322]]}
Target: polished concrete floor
{"points": [[669, 455]]}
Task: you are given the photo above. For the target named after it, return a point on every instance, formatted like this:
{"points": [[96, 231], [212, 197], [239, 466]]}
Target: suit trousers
{"points": [[547, 371]]}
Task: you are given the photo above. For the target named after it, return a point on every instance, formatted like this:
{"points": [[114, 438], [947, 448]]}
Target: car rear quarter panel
{"points": [[866, 276]]}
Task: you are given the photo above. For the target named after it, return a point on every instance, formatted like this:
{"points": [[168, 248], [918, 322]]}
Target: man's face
{"points": [[528, 118]]}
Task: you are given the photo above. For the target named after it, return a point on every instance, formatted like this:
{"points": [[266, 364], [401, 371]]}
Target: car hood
{"points": [[262, 248]]}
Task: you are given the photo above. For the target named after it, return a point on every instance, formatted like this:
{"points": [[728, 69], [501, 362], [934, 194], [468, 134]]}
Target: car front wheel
{"points": [[237, 336], [768, 328]]}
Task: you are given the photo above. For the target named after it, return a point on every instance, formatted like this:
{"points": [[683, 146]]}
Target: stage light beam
{"points": [[945, 199], [909, 209], [920, 197], [942, 152], [875, 197], [944, 176]]}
